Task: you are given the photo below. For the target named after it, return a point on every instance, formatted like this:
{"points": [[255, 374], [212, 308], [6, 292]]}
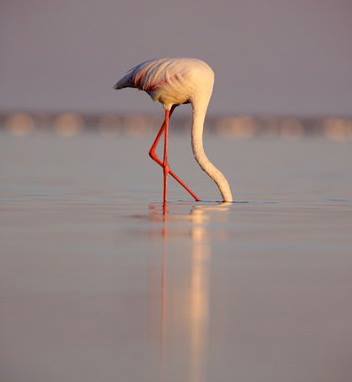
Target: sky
{"points": [[270, 56]]}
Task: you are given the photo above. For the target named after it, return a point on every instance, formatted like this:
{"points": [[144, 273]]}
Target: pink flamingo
{"points": [[173, 82]]}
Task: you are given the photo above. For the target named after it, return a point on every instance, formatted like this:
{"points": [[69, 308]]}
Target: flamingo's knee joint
{"points": [[152, 154]]}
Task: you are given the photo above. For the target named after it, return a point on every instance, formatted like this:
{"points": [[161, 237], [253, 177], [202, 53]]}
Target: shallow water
{"points": [[96, 285]]}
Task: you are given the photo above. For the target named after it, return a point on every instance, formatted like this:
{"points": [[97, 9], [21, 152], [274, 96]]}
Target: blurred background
{"points": [[282, 67]]}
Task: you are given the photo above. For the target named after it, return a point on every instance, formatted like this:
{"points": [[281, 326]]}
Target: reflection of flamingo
{"points": [[172, 82], [184, 293]]}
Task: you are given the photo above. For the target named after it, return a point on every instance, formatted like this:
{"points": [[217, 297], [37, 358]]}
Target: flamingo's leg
{"points": [[166, 169], [154, 156]]}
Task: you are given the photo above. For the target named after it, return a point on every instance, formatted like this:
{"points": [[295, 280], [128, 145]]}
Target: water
{"points": [[96, 285]]}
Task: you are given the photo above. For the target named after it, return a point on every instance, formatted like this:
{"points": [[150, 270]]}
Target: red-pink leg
{"points": [[154, 156], [165, 159]]}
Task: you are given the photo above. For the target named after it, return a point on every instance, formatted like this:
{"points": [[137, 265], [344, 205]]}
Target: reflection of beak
{"points": [[203, 209]]}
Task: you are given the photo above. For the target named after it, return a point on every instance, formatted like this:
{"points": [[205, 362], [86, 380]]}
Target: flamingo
{"points": [[173, 82]]}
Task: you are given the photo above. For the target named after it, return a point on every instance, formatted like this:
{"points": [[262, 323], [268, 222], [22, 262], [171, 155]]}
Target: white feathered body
{"points": [[171, 81]]}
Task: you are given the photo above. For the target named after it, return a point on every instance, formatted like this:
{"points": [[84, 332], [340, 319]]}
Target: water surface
{"points": [[97, 285]]}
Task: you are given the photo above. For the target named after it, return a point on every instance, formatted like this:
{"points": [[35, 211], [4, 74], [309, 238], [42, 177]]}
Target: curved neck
{"points": [[199, 112]]}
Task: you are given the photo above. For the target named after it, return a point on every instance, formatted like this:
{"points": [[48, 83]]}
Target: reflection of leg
{"points": [[154, 156]]}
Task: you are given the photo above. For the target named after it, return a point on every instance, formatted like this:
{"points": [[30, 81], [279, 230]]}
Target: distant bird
{"points": [[173, 82]]}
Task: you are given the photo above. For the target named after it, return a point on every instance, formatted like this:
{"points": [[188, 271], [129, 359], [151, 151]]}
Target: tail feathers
{"points": [[124, 82]]}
